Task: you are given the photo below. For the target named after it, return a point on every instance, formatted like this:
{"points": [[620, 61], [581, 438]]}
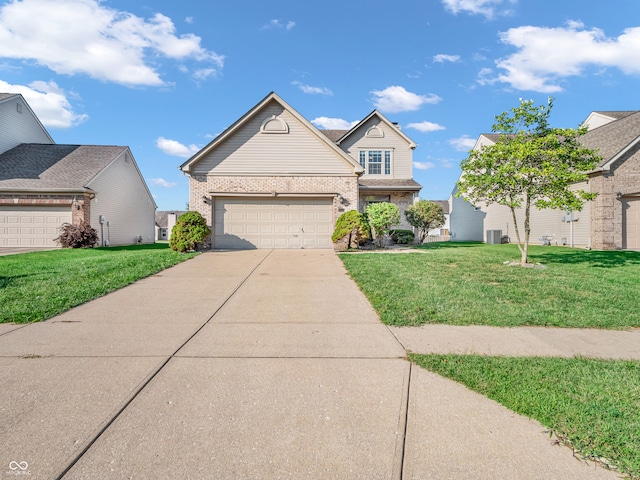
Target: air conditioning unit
{"points": [[493, 237]]}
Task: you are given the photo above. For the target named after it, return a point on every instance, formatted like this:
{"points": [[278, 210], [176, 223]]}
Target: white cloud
{"points": [[545, 56], [425, 127], [161, 182], [463, 143], [49, 103], [279, 24], [396, 99], [86, 37], [442, 57], [312, 90], [447, 163], [423, 165], [188, 20], [327, 123], [488, 8], [177, 149]]}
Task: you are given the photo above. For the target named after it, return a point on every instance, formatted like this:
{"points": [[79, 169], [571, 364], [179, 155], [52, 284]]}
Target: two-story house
{"points": [[274, 180]]}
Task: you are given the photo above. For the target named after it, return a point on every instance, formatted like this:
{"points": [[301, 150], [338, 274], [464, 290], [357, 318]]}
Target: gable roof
{"points": [[614, 139], [31, 166], [333, 135], [394, 127], [186, 166], [162, 217], [6, 97]]}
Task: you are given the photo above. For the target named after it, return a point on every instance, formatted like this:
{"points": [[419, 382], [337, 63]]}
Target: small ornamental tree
{"points": [[354, 226], [381, 217], [424, 215], [81, 235], [532, 164], [190, 230]]}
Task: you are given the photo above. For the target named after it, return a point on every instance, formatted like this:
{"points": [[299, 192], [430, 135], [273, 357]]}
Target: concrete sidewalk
{"points": [[248, 365]]}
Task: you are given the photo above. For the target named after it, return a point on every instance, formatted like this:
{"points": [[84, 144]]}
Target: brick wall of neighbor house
{"points": [[402, 199], [202, 186], [606, 210], [77, 214]]}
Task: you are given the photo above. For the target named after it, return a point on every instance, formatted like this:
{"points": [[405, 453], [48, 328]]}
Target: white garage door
{"points": [[273, 222], [26, 226], [631, 224]]}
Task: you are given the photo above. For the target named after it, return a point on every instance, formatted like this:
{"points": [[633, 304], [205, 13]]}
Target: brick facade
{"points": [[606, 210], [79, 204]]}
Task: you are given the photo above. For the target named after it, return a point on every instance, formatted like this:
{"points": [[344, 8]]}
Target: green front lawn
{"points": [[592, 405], [468, 283], [36, 286]]}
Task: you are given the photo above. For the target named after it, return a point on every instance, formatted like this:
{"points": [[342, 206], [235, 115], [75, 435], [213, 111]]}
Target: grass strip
{"points": [[469, 284], [36, 286], [592, 405]]}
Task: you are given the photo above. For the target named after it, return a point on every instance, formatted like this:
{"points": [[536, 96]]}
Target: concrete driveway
{"points": [[15, 250], [247, 365]]}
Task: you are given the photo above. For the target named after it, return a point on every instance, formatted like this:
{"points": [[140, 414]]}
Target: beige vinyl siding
{"points": [[401, 167], [469, 224], [466, 222], [251, 152], [17, 128], [125, 202]]}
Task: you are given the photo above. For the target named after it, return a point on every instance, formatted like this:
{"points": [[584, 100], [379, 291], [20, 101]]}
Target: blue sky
{"points": [[166, 77]]}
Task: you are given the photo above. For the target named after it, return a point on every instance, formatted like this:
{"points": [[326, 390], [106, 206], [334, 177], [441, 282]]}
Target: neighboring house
{"points": [[611, 221], [273, 180], [43, 185], [442, 231], [165, 221]]}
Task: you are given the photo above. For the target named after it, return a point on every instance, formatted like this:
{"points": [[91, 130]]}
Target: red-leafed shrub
{"points": [[82, 235]]}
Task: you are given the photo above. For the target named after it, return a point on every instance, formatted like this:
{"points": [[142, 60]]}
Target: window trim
{"points": [[383, 163]]}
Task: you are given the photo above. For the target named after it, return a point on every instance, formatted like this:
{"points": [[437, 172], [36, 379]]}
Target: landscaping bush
{"points": [[381, 216], [190, 230], [82, 235], [425, 215], [353, 227], [402, 236]]}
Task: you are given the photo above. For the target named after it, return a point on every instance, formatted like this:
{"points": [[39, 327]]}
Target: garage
{"points": [[31, 226], [631, 224], [289, 222]]}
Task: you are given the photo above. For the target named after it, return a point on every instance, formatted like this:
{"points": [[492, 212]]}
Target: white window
{"points": [[376, 162]]}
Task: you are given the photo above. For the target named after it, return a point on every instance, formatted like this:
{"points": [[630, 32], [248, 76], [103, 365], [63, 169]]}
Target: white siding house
{"points": [[43, 185]]}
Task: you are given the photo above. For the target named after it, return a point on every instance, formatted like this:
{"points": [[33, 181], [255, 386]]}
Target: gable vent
{"points": [[375, 132], [274, 125]]}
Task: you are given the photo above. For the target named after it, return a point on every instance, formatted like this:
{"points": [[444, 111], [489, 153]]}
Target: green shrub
{"points": [[381, 216], [190, 230], [352, 224], [402, 236], [425, 215], [82, 235]]}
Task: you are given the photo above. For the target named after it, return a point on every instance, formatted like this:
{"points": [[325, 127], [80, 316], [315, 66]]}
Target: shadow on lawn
{"points": [[448, 245], [595, 258]]}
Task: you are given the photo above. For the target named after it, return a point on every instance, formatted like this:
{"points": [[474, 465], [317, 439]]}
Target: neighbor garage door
{"points": [[273, 222], [26, 226], [631, 224]]}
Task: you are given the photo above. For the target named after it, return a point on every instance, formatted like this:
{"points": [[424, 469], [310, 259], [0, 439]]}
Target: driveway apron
{"points": [[247, 365]]}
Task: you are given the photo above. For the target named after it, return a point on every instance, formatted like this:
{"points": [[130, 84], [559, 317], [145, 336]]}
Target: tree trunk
{"points": [[527, 230], [515, 227]]}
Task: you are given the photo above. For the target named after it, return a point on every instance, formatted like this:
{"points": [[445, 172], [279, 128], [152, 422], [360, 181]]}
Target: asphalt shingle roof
{"points": [[613, 137], [391, 184], [40, 166], [333, 135]]}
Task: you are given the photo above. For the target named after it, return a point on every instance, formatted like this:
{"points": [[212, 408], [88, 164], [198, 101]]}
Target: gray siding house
{"points": [[273, 180], [43, 185], [611, 221]]}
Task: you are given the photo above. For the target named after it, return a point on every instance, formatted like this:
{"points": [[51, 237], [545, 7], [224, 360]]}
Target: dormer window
{"points": [[274, 125], [376, 162]]}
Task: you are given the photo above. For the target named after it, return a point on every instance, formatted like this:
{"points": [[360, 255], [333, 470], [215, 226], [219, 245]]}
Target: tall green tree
{"points": [[424, 215], [532, 164]]}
